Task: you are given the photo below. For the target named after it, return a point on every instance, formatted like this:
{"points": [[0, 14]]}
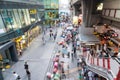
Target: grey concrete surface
{"points": [[37, 55]]}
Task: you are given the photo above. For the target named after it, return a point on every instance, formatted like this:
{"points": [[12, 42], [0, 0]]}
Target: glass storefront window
{"points": [[51, 14], [33, 15], [12, 19], [28, 16], [21, 17], [16, 18], [2, 25], [51, 4], [8, 18]]}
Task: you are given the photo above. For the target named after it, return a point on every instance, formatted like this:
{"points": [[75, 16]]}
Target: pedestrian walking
{"points": [[51, 32], [26, 67], [90, 75], [68, 54], [79, 61], [43, 39], [28, 74], [74, 50], [55, 35], [72, 54], [63, 74], [19, 78], [16, 76], [20, 51]]}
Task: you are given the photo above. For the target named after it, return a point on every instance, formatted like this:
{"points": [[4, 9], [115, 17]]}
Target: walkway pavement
{"points": [[37, 56]]}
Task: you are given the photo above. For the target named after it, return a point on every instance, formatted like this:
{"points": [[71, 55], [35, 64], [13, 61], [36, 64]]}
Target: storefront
{"points": [[8, 54], [14, 18], [33, 33], [24, 41], [20, 43]]}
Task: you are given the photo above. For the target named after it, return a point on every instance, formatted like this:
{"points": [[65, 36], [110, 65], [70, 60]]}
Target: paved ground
{"points": [[37, 56]]}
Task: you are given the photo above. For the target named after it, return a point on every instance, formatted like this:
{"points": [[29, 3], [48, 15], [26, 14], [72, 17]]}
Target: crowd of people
{"points": [[69, 47]]}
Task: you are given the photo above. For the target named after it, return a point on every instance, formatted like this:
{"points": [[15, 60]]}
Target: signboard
{"points": [[51, 14], [33, 11]]}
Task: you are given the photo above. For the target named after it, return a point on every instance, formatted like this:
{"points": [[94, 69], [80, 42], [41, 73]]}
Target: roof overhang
{"points": [[89, 39], [8, 4]]}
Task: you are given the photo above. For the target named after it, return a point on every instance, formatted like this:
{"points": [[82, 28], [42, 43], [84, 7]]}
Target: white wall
{"points": [[114, 4]]}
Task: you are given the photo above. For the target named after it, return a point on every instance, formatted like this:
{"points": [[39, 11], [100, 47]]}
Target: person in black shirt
{"points": [[28, 74], [26, 66]]}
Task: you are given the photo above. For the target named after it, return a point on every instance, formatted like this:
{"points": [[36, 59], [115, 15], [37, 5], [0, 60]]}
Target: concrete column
{"points": [[84, 11], [1, 76], [87, 9], [14, 53], [90, 7]]}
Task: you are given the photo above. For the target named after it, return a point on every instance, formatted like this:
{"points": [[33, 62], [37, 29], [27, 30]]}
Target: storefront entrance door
{"points": [[8, 56]]}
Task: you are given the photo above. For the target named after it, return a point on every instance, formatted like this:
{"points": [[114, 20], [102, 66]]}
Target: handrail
{"points": [[108, 64]]}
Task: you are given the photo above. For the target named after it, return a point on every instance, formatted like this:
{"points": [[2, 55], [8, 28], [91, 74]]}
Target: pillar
{"points": [[97, 61], [90, 16], [103, 62], [87, 6], [108, 63], [14, 53], [1, 76], [84, 11]]}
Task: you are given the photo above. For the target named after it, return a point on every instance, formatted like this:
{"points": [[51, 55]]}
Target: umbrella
{"points": [[57, 76], [64, 60], [70, 27]]}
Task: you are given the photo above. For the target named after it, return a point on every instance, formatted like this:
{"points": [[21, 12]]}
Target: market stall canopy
{"points": [[89, 39]]}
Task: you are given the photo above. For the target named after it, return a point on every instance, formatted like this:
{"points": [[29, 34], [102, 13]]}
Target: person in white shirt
{"points": [[90, 74], [118, 55], [15, 75]]}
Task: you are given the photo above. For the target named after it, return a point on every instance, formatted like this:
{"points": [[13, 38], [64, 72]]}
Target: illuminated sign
{"points": [[33, 11]]}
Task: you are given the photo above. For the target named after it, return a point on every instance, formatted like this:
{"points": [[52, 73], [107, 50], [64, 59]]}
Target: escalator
{"points": [[105, 67], [107, 75]]}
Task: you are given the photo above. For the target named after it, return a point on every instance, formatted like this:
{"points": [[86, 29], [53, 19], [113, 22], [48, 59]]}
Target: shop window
{"points": [[1, 58], [8, 18]]}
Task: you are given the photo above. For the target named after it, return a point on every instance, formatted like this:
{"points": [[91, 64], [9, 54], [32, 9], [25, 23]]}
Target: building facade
{"points": [[51, 11], [19, 25]]}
